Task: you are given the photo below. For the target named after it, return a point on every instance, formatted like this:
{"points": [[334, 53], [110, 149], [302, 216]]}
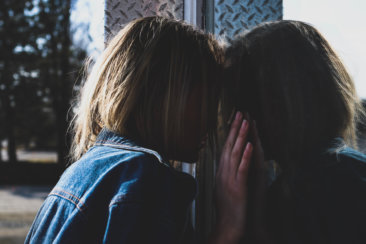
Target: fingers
{"points": [[235, 126], [245, 162], [236, 152], [238, 148], [226, 152], [232, 177]]}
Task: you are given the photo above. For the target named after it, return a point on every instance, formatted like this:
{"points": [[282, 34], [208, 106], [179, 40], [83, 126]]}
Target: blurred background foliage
{"points": [[39, 69]]}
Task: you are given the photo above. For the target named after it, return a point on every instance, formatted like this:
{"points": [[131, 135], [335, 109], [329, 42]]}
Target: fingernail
{"points": [[244, 124], [249, 146], [238, 115]]}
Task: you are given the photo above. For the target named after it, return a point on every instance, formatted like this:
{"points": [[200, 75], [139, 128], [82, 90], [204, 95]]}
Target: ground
{"points": [[18, 207]]}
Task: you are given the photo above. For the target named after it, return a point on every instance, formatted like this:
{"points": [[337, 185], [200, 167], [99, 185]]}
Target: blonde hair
{"points": [[140, 84]]}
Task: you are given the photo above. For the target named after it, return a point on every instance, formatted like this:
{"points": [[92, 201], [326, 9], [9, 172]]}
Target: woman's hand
{"points": [[232, 184]]}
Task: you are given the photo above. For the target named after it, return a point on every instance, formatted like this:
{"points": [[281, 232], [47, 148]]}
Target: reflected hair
{"points": [[140, 85], [291, 81]]}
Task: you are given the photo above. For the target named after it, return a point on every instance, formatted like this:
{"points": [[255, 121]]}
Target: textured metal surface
{"points": [[231, 17], [120, 12]]}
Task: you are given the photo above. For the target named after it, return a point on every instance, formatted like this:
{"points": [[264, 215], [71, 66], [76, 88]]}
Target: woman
{"points": [[304, 102], [150, 98]]}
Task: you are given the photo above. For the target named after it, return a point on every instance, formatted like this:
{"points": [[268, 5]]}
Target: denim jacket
{"points": [[117, 192]]}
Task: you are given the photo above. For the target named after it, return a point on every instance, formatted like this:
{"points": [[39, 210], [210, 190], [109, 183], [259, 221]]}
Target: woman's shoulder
{"points": [[352, 157], [103, 178], [338, 183], [113, 166], [346, 165], [336, 165], [121, 172]]}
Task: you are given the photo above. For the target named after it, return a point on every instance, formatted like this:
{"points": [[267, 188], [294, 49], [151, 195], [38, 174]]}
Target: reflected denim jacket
{"points": [[117, 192]]}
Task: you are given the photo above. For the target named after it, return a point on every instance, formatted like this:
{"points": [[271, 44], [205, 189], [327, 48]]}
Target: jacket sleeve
{"points": [[58, 221]]}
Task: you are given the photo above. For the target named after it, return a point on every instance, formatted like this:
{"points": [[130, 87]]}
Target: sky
{"points": [[89, 12], [343, 24]]}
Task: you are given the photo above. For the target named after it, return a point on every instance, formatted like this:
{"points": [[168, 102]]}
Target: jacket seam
{"points": [[61, 190], [76, 205], [79, 205]]}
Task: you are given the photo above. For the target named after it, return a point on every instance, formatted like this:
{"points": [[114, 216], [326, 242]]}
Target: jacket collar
{"points": [[109, 138]]}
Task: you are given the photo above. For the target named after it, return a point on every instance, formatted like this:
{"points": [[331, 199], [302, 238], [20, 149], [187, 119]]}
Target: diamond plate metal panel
{"points": [[233, 16], [120, 12]]}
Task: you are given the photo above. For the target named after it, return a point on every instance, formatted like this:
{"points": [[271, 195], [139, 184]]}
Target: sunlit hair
{"points": [[140, 84], [291, 81]]}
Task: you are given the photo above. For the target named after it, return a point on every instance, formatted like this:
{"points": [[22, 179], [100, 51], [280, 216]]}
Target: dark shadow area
{"points": [[23, 173]]}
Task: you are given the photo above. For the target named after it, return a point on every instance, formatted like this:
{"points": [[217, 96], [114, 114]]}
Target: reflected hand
{"points": [[232, 182]]}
